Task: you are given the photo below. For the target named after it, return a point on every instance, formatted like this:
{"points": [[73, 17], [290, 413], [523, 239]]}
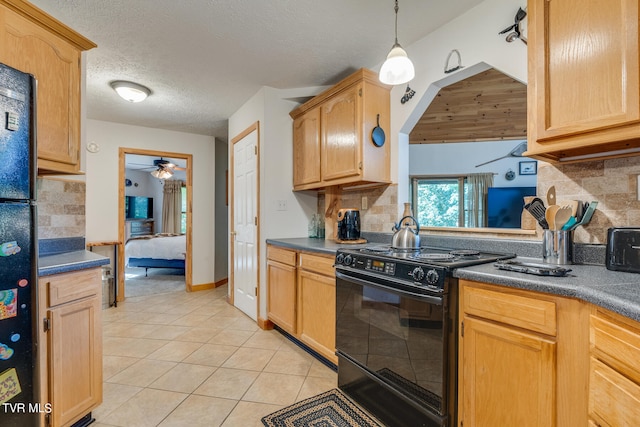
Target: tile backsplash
{"points": [[382, 207], [61, 208], [612, 183]]}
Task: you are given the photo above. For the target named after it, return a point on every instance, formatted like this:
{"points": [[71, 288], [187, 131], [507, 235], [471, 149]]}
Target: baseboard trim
{"points": [[221, 282], [206, 286], [265, 324]]}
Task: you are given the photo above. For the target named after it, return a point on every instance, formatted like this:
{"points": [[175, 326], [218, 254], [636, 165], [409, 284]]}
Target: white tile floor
{"points": [[191, 359]]}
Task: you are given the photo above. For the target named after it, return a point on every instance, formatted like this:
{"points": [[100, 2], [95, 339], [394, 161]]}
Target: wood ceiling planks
{"points": [[489, 106]]}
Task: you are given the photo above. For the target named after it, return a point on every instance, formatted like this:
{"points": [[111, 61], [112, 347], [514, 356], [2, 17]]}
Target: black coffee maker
{"points": [[348, 224]]}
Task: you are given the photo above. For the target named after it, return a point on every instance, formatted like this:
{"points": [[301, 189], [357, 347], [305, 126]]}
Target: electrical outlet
{"points": [[282, 205], [365, 203]]}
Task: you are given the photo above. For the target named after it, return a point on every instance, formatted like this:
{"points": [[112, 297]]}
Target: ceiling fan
{"points": [[162, 169]]}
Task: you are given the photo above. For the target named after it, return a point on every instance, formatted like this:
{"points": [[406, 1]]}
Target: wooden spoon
{"points": [[562, 216], [550, 216], [551, 195]]}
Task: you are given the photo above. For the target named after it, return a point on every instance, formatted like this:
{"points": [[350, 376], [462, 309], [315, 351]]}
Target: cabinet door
{"points": [[509, 377], [75, 359], [306, 149], [56, 66], [614, 400], [583, 73], [281, 295], [317, 313], [341, 135]]}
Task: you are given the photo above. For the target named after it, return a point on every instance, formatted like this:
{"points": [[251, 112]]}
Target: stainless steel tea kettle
{"points": [[405, 236]]}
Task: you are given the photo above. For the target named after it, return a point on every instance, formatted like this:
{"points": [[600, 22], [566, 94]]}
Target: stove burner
{"points": [[435, 256], [404, 250], [465, 252], [375, 249]]}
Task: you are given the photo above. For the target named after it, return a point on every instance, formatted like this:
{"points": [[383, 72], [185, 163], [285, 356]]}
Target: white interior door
{"points": [[245, 228]]}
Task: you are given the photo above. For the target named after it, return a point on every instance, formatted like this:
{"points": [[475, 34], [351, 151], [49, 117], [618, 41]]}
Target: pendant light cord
{"points": [[396, 9]]}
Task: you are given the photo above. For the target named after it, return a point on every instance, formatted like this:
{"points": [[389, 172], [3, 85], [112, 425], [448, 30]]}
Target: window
{"points": [[183, 219], [440, 202]]}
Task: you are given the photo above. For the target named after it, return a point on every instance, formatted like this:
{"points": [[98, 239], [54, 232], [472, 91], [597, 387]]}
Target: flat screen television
{"points": [[137, 207], [505, 204]]}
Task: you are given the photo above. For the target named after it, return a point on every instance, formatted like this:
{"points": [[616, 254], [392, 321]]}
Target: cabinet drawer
{"points": [[318, 263], [614, 400], [617, 344], [68, 287], [521, 311], [284, 256]]}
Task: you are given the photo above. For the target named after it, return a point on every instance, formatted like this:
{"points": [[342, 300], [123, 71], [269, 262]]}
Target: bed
{"points": [[156, 251]]}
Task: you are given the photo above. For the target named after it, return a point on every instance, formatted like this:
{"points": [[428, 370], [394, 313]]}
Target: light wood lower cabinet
{"points": [[614, 374], [301, 290], [281, 295], [509, 376], [317, 304], [522, 358], [70, 337]]}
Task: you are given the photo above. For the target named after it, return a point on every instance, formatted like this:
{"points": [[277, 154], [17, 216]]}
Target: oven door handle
{"points": [[431, 299]]}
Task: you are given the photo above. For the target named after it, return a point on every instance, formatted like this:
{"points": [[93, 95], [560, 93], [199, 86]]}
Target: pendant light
{"points": [[398, 68]]}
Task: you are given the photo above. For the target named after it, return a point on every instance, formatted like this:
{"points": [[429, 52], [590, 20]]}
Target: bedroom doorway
{"points": [[155, 227]]}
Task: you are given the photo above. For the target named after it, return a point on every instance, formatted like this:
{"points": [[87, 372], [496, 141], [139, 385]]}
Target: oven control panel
{"points": [[413, 273], [385, 267]]}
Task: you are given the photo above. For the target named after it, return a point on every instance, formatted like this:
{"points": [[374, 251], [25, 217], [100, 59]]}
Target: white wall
{"points": [[102, 184], [271, 108], [475, 35]]}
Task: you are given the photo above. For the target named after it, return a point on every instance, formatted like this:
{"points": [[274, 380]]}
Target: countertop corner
{"points": [[69, 261]]}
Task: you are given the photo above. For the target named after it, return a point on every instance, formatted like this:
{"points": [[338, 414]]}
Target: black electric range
{"points": [[396, 331]]}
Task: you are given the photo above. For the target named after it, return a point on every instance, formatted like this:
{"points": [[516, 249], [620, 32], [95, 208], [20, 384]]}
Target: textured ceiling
{"points": [[203, 59]]}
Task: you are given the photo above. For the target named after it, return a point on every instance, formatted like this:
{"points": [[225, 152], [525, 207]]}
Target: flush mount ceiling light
{"points": [[398, 68], [130, 91]]}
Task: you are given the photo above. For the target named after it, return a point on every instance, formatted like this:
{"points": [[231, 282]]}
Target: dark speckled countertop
{"points": [[589, 281], [312, 245], [613, 290], [65, 255]]}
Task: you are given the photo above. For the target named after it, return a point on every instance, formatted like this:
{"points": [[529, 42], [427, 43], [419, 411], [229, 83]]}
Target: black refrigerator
{"points": [[18, 251]]}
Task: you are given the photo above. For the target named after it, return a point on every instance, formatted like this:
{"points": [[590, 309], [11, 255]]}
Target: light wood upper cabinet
{"points": [[332, 135], [584, 81], [306, 149], [34, 42], [340, 135]]}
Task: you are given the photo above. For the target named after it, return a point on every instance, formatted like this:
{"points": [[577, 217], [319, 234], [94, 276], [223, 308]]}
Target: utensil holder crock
{"points": [[557, 247]]}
